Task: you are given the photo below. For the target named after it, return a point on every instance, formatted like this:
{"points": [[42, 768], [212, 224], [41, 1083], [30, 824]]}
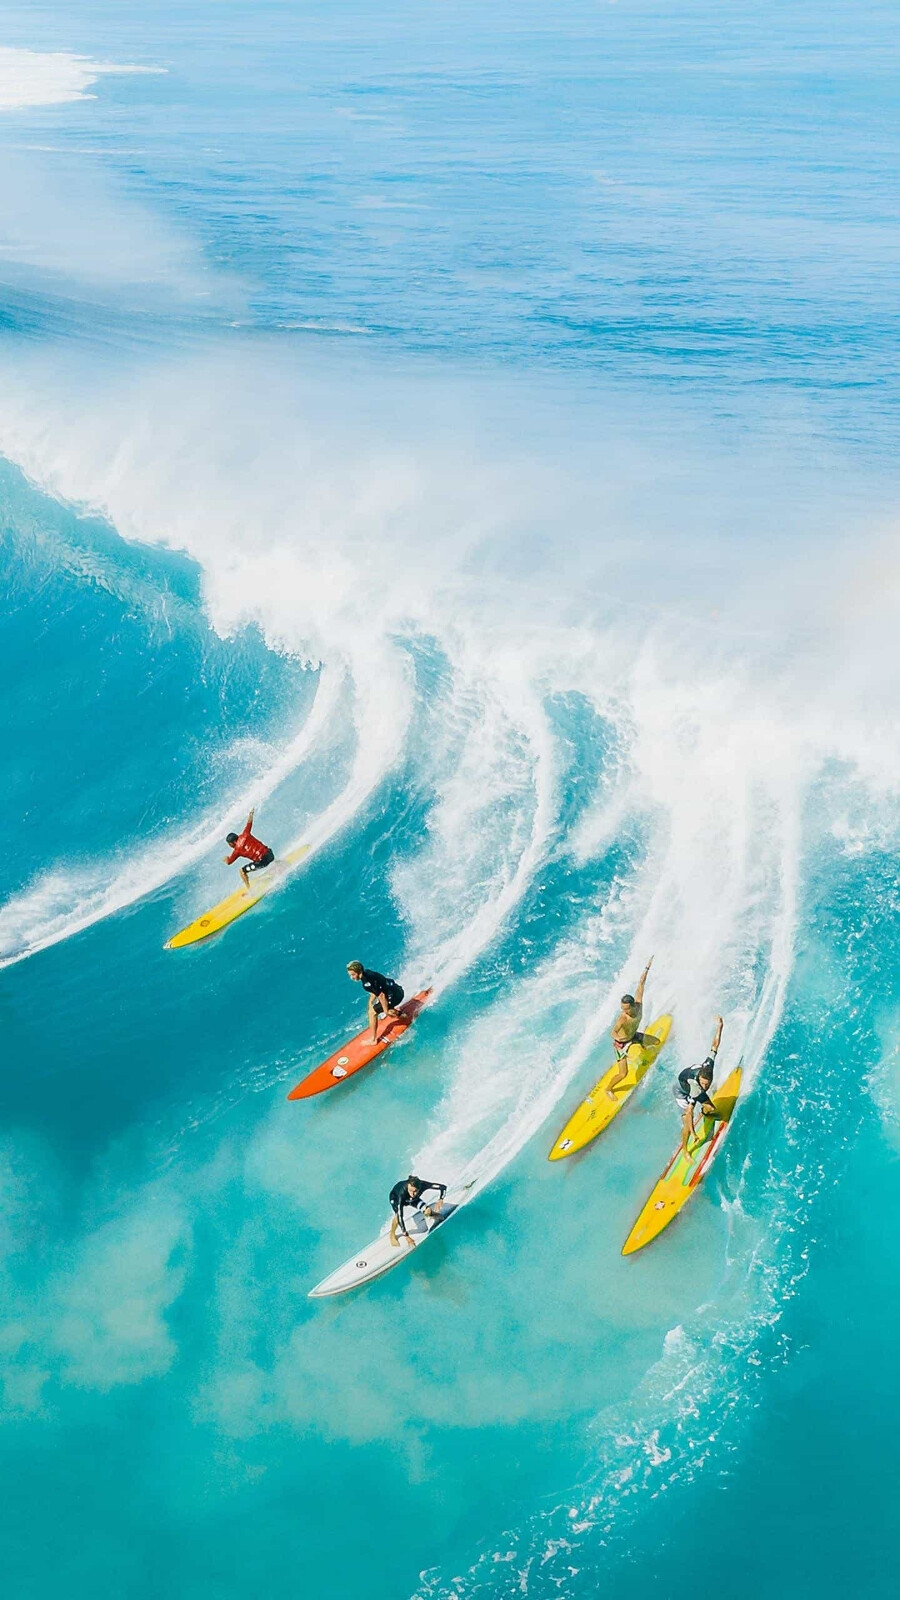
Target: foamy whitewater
{"points": [[556, 616]]}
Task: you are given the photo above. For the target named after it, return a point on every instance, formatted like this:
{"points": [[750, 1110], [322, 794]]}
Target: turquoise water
{"points": [[466, 434]]}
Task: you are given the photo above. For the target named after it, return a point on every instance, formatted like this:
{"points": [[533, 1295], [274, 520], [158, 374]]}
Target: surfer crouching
{"points": [[385, 994], [256, 854], [410, 1192]]}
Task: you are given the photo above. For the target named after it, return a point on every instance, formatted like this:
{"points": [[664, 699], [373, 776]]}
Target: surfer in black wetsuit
{"points": [[694, 1084], [410, 1192], [384, 993]]}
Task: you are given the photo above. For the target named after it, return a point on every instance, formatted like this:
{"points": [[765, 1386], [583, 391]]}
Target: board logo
{"points": [[362, 1263], [339, 1072]]}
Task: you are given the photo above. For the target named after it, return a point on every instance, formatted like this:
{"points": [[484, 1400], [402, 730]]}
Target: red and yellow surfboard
{"points": [[686, 1168]]}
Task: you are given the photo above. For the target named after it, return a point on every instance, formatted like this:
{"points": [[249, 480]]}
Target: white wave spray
{"points": [[380, 541]]}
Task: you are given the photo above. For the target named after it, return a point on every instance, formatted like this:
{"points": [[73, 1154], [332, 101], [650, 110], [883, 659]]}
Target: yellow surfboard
{"points": [[597, 1111], [236, 904], [686, 1168]]}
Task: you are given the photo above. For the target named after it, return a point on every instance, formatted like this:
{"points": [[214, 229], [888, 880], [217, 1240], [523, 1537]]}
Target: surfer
{"points": [[409, 1192], [257, 854], [694, 1084], [384, 993], [625, 1030]]}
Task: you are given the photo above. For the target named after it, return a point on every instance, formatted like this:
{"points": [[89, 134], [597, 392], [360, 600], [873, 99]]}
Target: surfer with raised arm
{"points": [[409, 1193], [694, 1084], [625, 1030], [385, 994], [256, 854]]}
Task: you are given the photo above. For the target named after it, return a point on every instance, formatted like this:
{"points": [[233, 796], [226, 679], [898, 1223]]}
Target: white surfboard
{"points": [[381, 1255]]}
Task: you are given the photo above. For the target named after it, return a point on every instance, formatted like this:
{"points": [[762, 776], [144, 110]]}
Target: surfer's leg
{"points": [[621, 1073], [259, 866], [445, 1212]]}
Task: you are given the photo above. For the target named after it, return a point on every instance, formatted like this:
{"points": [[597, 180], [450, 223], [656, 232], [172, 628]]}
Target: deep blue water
{"points": [[467, 434]]}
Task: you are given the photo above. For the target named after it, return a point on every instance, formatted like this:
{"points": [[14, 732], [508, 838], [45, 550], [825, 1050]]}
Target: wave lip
{"points": [[53, 78]]}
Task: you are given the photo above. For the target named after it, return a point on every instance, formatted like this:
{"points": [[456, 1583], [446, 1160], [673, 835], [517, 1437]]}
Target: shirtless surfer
{"points": [[625, 1030], [256, 854]]}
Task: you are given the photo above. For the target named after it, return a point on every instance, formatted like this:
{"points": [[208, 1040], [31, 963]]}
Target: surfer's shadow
{"points": [[436, 1270], [443, 1281]]}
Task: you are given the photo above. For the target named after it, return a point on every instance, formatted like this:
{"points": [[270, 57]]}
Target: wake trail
{"points": [[382, 709], [63, 903], [716, 905], [525, 721]]}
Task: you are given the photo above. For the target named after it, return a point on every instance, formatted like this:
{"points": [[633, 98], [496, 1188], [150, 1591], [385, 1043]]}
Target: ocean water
{"points": [[467, 434]]}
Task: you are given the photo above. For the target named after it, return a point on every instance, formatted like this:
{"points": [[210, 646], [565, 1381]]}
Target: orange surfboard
{"points": [[360, 1051]]}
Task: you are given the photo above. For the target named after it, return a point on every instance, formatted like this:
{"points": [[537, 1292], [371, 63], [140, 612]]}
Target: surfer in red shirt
{"points": [[256, 854]]}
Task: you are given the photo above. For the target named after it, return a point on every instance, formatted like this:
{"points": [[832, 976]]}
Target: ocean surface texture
{"points": [[467, 433]]}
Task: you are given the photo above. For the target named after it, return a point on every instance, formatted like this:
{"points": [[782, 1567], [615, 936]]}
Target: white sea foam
{"points": [[378, 536], [720, 925], [76, 232], [491, 767], [48, 78], [384, 542]]}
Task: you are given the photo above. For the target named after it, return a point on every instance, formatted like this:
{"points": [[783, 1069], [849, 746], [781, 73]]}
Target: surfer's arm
{"points": [[436, 1207], [639, 991], [398, 1222], [717, 1037], [230, 860]]}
